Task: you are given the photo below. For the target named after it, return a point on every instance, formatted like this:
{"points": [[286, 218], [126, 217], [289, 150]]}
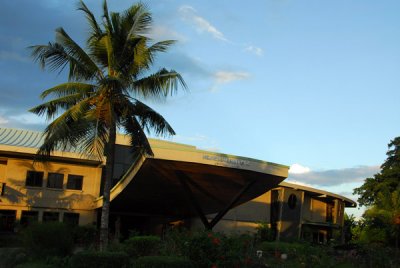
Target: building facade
{"points": [[179, 183]]}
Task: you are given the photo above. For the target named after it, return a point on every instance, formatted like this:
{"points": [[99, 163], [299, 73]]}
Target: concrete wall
{"points": [[314, 210], [17, 196], [291, 215]]}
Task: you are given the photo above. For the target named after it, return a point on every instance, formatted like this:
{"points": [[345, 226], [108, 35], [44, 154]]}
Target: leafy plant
{"points": [[162, 262], [48, 239], [139, 246], [96, 259]]}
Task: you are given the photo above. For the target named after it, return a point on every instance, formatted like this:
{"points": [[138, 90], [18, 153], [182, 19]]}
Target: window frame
{"points": [[56, 219], [56, 182], [70, 221], [73, 184], [34, 178]]}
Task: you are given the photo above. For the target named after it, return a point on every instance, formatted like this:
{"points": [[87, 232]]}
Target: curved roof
{"points": [[319, 193], [160, 185], [21, 141]]}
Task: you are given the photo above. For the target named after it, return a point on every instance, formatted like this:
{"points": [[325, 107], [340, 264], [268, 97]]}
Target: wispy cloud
{"points": [[3, 120], [298, 169], [223, 77], [255, 50], [160, 32], [201, 24], [200, 141], [13, 56], [333, 177]]}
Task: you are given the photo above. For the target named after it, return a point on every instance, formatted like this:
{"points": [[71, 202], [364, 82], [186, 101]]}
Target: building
{"points": [[293, 211], [180, 182]]}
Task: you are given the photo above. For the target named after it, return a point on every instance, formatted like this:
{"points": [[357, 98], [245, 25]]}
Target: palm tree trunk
{"points": [[105, 211]]}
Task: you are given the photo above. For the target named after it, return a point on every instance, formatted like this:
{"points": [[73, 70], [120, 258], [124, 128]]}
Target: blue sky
{"points": [[309, 84]]}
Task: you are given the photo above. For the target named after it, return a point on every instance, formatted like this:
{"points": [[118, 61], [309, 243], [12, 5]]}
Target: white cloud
{"points": [[223, 77], [333, 177], [161, 32], [200, 141], [255, 50], [201, 24], [3, 120], [298, 169], [27, 119]]}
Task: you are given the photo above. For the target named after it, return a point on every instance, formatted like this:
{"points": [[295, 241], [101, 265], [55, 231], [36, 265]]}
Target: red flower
{"points": [[214, 265], [216, 241]]}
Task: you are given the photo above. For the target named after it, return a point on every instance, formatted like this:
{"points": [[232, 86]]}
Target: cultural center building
{"points": [[179, 184]]}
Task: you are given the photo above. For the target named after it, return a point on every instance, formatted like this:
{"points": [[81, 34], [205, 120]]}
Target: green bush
{"points": [[89, 259], [10, 257], [265, 232], [47, 239], [139, 246], [208, 249], [162, 262], [377, 255], [84, 235], [302, 253]]}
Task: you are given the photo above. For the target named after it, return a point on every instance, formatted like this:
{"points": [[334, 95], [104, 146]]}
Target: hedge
{"points": [[88, 259], [162, 262]]}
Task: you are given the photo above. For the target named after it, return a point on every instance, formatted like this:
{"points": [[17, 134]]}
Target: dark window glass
{"points": [[74, 182], [7, 220], [71, 218], [292, 201], [29, 217], [329, 212], [55, 180], [34, 178], [50, 216]]}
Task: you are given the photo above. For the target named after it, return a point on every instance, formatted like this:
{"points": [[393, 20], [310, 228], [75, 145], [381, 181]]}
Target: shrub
{"points": [[203, 248], [265, 232], [297, 252], [84, 235], [162, 262], [88, 259], [139, 246], [10, 257], [47, 239], [174, 242]]}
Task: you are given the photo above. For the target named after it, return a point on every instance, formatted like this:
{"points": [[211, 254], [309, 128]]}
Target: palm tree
{"points": [[105, 82]]}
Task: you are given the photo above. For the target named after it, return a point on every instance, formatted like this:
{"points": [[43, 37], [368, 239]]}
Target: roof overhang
{"points": [[178, 176], [320, 194]]}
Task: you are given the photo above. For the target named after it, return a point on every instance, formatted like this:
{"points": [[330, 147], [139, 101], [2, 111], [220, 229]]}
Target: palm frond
{"points": [[96, 32], [137, 136], [76, 71], [150, 120], [136, 19], [53, 107], [69, 88], [159, 85], [161, 46]]}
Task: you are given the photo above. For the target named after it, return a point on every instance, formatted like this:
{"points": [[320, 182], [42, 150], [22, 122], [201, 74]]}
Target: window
{"points": [[55, 180], [29, 217], [71, 218], [292, 201], [7, 220], [50, 216], [74, 182], [329, 212], [34, 178]]}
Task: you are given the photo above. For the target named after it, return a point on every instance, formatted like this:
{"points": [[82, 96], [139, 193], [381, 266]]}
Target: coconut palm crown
{"points": [[105, 84]]}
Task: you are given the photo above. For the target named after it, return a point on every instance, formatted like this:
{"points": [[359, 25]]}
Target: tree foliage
{"points": [[382, 194], [107, 82], [386, 181]]}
